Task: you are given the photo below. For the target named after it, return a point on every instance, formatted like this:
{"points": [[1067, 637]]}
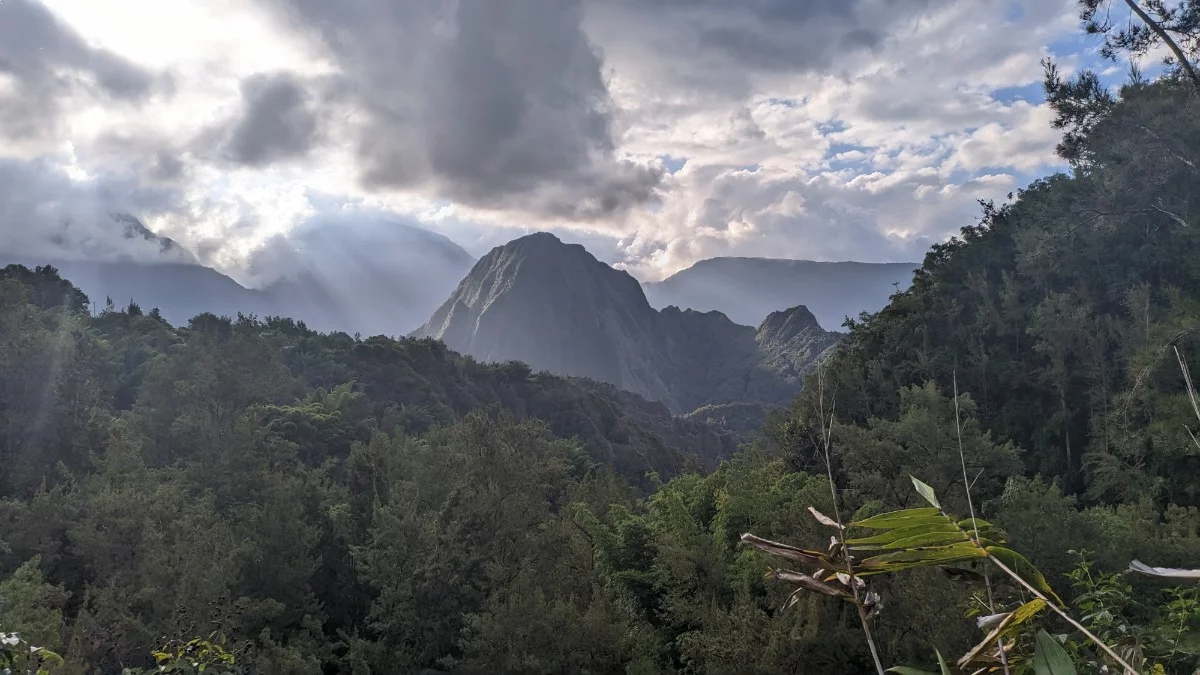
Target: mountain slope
{"points": [[373, 281], [748, 289], [557, 308], [179, 290]]}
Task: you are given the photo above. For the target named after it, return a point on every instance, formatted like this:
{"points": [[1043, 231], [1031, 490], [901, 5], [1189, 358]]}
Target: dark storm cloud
{"points": [[277, 122], [493, 104], [720, 45], [48, 62]]}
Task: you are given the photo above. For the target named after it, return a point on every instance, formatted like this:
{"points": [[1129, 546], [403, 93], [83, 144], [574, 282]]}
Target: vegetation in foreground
{"points": [[330, 505]]}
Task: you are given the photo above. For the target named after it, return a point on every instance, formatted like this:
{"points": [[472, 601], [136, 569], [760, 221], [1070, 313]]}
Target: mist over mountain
{"points": [[360, 273], [356, 275], [748, 289], [554, 306]]}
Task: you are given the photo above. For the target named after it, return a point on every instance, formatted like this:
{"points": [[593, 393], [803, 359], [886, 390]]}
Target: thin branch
{"points": [[1191, 391], [1173, 216], [962, 457], [1162, 34], [826, 434]]}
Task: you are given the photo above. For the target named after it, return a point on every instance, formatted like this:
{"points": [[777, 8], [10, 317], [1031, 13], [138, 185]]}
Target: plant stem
{"points": [[1057, 610], [826, 434], [962, 458]]}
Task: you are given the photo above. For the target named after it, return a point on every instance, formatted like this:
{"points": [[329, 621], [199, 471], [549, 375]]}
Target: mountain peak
{"points": [[790, 322], [556, 307], [536, 237]]}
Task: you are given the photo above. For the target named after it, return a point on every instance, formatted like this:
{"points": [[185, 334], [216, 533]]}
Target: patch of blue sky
{"points": [[672, 164], [831, 127], [1030, 93], [849, 156]]}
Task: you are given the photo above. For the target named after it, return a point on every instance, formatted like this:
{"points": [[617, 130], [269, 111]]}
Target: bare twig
{"points": [[1173, 216], [962, 457], [826, 438], [1191, 388]]}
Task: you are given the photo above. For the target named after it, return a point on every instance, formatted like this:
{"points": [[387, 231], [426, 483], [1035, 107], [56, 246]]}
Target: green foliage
{"points": [[31, 607], [1049, 658], [18, 656], [1156, 632], [333, 504]]}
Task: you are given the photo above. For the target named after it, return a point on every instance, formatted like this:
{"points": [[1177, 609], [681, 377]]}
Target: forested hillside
{"points": [[556, 307], [336, 505]]}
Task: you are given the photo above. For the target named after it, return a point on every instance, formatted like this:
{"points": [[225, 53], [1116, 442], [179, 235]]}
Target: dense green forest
{"points": [[332, 504]]}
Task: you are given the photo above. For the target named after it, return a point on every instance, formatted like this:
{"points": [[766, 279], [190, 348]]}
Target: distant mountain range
{"points": [[554, 306], [731, 337], [336, 287], [748, 289]]}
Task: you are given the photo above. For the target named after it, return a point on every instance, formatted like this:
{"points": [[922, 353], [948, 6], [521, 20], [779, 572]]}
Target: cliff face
{"points": [[557, 308]]}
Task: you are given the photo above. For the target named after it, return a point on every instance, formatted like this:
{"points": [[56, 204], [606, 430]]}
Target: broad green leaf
{"points": [[929, 539], [905, 518], [978, 523], [926, 492], [1049, 657], [922, 557], [905, 670], [1020, 565], [887, 537]]}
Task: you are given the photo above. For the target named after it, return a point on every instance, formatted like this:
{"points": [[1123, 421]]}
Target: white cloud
{"points": [[838, 129]]}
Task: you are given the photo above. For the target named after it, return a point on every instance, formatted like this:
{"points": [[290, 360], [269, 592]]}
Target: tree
{"points": [[1173, 24]]}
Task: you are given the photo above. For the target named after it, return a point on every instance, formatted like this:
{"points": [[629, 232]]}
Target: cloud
{"points": [[45, 213], [498, 105], [712, 44], [832, 129], [44, 64], [277, 122]]}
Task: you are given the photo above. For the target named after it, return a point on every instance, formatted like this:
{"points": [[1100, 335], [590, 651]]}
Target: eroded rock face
{"points": [[557, 308]]}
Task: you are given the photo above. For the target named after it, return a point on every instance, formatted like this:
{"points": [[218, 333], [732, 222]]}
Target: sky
{"points": [[655, 132]]}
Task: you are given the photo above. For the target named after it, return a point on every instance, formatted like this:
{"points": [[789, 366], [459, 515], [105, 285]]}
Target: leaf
{"points": [[905, 518], [1007, 621], [929, 539], [844, 579], [978, 523], [960, 574], [1021, 566], [792, 599], [824, 519], [938, 525], [790, 553], [1049, 657], [922, 557], [942, 662], [926, 492], [808, 583], [905, 670], [1163, 572]]}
